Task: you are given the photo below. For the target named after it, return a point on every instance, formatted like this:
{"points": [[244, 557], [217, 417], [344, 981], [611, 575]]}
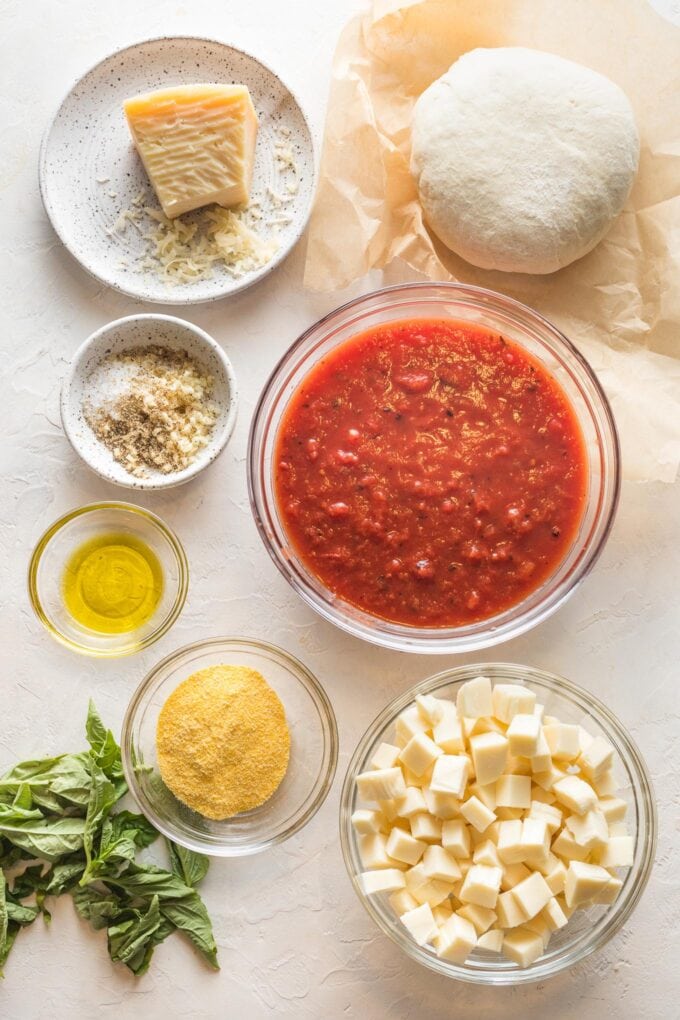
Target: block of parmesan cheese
{"points": [[197, 144]]}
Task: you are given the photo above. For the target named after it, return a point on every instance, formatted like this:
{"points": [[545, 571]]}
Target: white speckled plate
{"points": [[90, 171], [89, 380]]}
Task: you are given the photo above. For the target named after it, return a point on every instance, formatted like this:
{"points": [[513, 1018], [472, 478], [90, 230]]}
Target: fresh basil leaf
{"points": [[135, 827], [189, 915], [128, 940], [65, 875], [51, 781], [95, 730], [189, 866], [13, 930], [4, 918], [102, 798], [20, 913], [29, 881], [105, 749], [9, 855], [12, 814], [23, 798], [99, 908], [45, 838]]}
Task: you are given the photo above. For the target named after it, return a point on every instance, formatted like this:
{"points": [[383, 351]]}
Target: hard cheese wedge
{"points": [[197, 143]]}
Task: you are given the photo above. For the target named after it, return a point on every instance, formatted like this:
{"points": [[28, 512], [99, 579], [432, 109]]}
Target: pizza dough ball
{"points": [[522, 159]]}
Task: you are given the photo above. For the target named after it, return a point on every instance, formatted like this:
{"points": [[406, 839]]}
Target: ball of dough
{"points": [[522, 159]]}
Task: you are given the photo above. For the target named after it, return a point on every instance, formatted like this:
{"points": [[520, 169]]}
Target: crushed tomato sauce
{"points": [[430, 472]]}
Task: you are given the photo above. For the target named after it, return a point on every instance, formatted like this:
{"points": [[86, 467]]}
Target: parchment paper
{"points": [[621, 303]]}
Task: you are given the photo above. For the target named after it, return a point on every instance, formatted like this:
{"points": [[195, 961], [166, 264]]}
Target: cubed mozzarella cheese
{"points": [[439, 864], [421, 924], [402, 846], [584, 882], [522, 946], [491, 941], [489, 753], [532, 894], [448, 731], [419, 753], [450, 774], [457, 938], [456, 838], [523, 735], [475, 698], [510, 700], [366, 822], [618, 853], [386, 756], [513, 791], [481, 886], [563, 741], [596, 759], [385, 880], [575, 794], [383, 784], [477, 814]]}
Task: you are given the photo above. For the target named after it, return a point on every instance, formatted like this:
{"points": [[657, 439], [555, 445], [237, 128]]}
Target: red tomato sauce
{"points": [[430, 472]]}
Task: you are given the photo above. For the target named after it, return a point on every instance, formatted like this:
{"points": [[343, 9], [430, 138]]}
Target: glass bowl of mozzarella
{"points": [[498, 823]]}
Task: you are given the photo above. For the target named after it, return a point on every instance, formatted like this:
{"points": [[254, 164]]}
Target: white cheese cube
{"points": [[552, 816], [596, 759], [535, 841], [477, 814], [424, 826], [373, 852], [562, 739], [481, 885], [575, 794], [486, 853], [430, 708], [618, 853], [566, 847], [518, 766], [506, 814], [523, 735], [419, 753], [543, 796], [545, 864], [487, 794], [385, 756], [411, 803], [589, 830], [584, 882], [613, 808], [489, 756], [510, 913], [438, 863], [513, 791], [480, 917], [365, 822], [510, 700], [386, 880], [401, 901], [546, 780], [489, 724], [448, 731], [401, 846], [475, 698], [618, 829], [433, 892], [441, 805], [457, 938], [383, 784], [456, 838], [491, 941], [415, 877], [568, 911], [389, 811], [553, 915], [556, 878], [605, 785], [510, 849], [610, 891], [541, 928], [541, 759], [450, 774], [522, 946], [442, 913], [420, 924], [539, 711], [408, 723], [411, 779], [513, 875], [532, 894], [585, 739]]}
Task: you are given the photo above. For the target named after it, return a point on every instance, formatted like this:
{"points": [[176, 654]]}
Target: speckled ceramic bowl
{"points": [[90, 172], [84, 382]]}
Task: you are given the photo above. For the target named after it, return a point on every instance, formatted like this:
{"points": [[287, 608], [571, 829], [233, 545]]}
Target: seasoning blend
{"points": [[112, 583], [222, 741]]}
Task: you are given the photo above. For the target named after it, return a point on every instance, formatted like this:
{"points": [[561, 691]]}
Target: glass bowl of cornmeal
{"points": [[229, 746], [108, 579]]}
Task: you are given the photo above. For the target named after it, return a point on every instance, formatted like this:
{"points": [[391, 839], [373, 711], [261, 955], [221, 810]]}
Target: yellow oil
{"points": [[112, 583]]}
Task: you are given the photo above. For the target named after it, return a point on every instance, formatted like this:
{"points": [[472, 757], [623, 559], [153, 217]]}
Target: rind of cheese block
{"points": [[197, 144]]}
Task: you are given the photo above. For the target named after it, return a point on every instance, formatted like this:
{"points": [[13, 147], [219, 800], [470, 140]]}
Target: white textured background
{"points": [[293, 940]]}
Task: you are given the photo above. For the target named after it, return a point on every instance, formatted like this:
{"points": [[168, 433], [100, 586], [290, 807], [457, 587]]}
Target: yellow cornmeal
{"points": [[222, 741], [112, 583]]}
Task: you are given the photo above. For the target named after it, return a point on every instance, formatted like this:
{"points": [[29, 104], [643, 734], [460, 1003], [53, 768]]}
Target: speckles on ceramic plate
{"points": [[90, 171], [124, 335]]}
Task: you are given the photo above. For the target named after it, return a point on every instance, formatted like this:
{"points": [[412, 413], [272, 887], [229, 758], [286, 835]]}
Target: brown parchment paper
{"points": [[621, 303]]}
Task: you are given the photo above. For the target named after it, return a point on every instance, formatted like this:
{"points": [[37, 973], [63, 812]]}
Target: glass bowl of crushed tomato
{"points": [[434, 467], [588, 929]]}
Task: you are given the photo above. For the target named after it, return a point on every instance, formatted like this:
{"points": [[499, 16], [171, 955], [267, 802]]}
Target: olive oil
{"points": [[112, 584]]}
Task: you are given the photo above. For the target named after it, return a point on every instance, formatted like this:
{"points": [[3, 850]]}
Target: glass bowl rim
{"points": [[437, 641], [329, 728], [168, 620], [644, 795]]}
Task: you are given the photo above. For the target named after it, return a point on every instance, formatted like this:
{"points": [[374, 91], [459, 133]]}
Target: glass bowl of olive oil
{"points": [[108, 579]]}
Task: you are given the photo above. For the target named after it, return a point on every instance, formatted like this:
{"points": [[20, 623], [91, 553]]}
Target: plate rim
{"points": [[239, 286]]}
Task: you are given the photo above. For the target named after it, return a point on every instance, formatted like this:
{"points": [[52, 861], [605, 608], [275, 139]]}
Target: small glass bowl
{"points": [[65, 536], [587, 930], [456, 302], [313, 750]]}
